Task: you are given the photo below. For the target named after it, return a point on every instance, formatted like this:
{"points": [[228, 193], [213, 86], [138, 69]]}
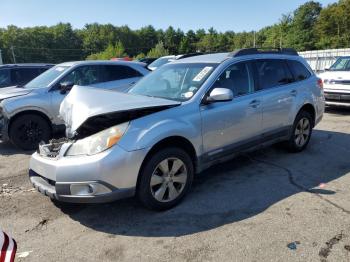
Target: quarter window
{"points": [[5, 77], [299, 70], [119, 72], [238, 78], [273, 73]]}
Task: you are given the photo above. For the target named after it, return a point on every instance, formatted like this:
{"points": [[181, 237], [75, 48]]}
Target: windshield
{"points": [[177, 82], [161, 61], [46, 78], [342, 64]]}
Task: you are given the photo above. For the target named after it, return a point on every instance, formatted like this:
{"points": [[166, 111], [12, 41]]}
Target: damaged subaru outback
{"points": [[181, 119]]}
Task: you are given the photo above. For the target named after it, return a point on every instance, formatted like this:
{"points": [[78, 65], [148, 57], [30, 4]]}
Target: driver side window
{"points": [[238, 78], [83, 76]]}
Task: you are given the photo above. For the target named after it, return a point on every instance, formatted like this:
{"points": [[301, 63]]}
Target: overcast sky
{"points": [[223, 15]]}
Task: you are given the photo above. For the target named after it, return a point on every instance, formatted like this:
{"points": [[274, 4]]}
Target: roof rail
{"points": [[190, 55], [255, 51]]}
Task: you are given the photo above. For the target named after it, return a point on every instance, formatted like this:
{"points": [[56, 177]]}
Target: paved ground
{"points": [[267, 206]]}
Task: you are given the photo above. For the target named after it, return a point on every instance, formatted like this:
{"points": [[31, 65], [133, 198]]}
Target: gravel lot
{"points": [[266, 206]]}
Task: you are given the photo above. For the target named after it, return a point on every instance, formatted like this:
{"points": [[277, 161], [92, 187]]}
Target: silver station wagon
{"points": [[177, 121]]}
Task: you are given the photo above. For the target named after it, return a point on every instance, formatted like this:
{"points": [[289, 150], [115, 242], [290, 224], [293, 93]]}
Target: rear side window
{"points": [[299, 71], [273, 73], [5, 77], [22, 76], [119, 72]]}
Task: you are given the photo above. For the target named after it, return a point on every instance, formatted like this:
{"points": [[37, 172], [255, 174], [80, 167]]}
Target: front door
{"points": [[231, 126]]}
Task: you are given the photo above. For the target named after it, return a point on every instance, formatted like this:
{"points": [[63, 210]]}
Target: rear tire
{"points": [[301, 132], [165, 179], [27, 131]]}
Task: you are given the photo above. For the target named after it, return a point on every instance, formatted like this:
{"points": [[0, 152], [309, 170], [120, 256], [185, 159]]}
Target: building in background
{"points": [[320, 60]]}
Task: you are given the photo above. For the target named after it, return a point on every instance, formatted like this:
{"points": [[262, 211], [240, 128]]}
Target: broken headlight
{"points": [[98, 142]]}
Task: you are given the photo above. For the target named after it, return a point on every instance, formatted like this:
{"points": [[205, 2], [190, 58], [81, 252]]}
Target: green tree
{"points": [[301, 34], [112, 51], [333, 26], [140, 56], [158, 51]]}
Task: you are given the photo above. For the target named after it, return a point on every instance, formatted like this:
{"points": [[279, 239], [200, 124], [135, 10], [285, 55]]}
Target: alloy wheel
{"points": [[302, 132], [168, 179]]}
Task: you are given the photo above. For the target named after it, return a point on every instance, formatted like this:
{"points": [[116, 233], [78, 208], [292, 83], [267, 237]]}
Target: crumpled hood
{"points": [[12, 91], [84, 103]]}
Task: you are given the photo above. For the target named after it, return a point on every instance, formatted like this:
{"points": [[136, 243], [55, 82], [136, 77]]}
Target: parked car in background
{"points": [[29, 114], [20, 74], [179, 120], [161, 61], [147, 60], [121, 59], [336, 83], [167, 59]]}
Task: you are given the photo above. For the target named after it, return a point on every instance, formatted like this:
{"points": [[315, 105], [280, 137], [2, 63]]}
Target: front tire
{"points": [[301, 132], [27, 131], [165, 179]]}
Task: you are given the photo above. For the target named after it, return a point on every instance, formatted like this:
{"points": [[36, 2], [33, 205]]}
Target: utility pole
{"points": [[254, 39], [1, 58], [281, 36], [13, 55]]}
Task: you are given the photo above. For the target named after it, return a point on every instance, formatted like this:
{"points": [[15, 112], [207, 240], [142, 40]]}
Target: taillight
{"points": [[320, 83]]}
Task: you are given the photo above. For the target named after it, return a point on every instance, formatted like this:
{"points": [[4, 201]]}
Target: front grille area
{"points": [[52, 149], [337, 97], [340, 82], [33, 173]]}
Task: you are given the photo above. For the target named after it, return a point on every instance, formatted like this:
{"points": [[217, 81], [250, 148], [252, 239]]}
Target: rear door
{"points": [[119, 77], [228, 127], [279, 92]]}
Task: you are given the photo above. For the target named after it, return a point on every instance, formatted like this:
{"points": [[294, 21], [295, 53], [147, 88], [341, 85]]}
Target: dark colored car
{"points": [[147, 60], [20, 74]]}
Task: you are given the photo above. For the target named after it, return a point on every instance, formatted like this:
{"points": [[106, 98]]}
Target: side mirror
{"points": [[219, 95], [65, 87]]}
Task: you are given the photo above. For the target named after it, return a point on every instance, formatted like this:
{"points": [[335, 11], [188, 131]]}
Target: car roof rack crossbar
{"points": [[256, 51]]}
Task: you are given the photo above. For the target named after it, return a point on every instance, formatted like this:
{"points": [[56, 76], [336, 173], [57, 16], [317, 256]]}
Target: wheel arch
{"points": [[311, 110], [29, 112], [172, 141]]}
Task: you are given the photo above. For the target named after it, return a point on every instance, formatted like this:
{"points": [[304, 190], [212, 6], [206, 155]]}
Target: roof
{"points": [[28, 65], [208, 58], [101, 62], [246, 52]]}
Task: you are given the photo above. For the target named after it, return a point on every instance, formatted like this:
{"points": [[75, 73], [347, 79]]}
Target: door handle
{"points": [[254, 103], [132, 83], [293, 92]]}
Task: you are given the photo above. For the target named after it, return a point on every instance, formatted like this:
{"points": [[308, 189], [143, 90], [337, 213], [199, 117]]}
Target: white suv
{"points": [[336, 82]]}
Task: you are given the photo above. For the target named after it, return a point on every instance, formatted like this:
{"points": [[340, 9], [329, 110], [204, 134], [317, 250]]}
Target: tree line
{"points": [[309, 27]]}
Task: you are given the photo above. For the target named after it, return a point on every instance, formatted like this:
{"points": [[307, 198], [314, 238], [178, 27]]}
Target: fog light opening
{"points": [[89, 189], [83, 190]]}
